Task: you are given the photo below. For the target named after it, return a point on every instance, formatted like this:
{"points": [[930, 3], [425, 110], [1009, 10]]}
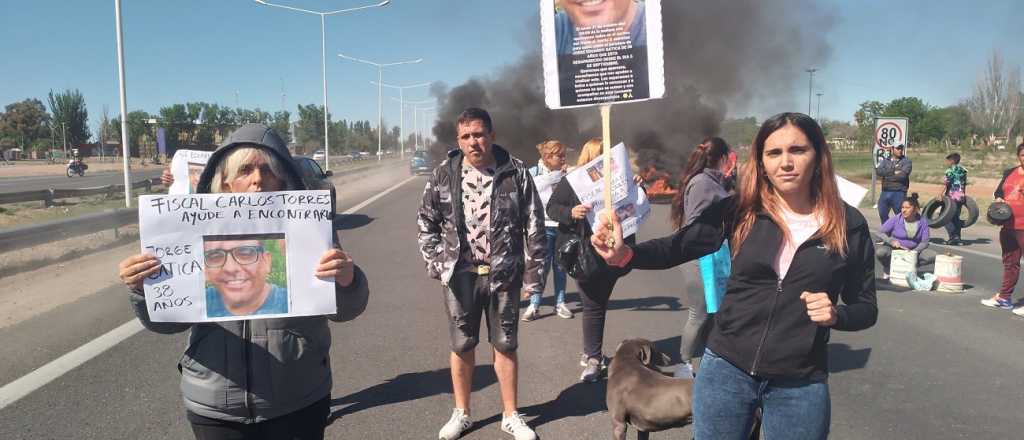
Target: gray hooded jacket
{"points": [[256, 370]]}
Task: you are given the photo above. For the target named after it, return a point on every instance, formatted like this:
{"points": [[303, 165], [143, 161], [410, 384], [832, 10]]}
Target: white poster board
{"points": [[850, 192], [545, 184], [601, 52], [186, 167], [233, 256], [889, 132], [631, 204]]}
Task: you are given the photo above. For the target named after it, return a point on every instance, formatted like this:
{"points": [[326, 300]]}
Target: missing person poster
{"points": [[186, 167], [233, 256], [631, 204], [601, 51]]}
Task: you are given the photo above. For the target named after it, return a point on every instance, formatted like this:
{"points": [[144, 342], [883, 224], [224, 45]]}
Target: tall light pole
{"points": [[380, 92], [64, 136], [819, 105], [810, 84], [323, 59], [124, 107], [401, 107], [425, 110], [415, 118]]}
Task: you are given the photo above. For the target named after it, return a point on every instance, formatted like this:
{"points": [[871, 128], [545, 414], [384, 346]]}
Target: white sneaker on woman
{"points": [[457, 424], [515, 425]]}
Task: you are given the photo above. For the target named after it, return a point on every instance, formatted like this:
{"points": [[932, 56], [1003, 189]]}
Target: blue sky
{"points": [[191, 50]]}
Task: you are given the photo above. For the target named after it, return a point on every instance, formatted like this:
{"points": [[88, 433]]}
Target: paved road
{"points": [[935, 367], [90, 180]]}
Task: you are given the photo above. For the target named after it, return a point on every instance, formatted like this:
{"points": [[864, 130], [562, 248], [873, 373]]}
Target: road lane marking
{"points": [[30, 382], [27, 384]]}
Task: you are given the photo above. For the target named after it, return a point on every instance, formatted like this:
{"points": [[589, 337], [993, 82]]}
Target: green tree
{"points": [[281, 123], [23, 123], [178, 124], [865, 117], [914, 109], [68, 108], [138, 128], [309, 131]]}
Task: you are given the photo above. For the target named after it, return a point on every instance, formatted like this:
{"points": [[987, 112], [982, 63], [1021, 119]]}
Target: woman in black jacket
{"points": [[797, 250], [565, 208]]}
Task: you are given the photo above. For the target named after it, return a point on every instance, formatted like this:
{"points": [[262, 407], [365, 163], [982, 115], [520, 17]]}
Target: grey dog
{"points": [[641, 396]]}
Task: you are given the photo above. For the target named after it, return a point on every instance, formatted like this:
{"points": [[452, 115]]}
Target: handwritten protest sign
{"points": [[237, 256], [601, 52], [631, 204], [186, 167], [545, 184]]}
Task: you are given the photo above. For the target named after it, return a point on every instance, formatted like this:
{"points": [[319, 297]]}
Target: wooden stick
{"points": [[606, 140]]}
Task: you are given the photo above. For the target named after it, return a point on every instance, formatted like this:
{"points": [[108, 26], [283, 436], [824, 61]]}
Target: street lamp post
{"points": [[380, 92], [415, 118], [810, 85], [401, 107], [425, 110], [124, 106], [819, 105], [323, 59]]}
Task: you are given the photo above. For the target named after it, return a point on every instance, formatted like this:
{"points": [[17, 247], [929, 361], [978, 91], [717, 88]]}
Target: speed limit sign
{"points": [[889, 132]]}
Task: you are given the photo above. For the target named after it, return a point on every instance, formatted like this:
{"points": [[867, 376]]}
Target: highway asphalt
{"points": [[937, 366], [90, 180]]}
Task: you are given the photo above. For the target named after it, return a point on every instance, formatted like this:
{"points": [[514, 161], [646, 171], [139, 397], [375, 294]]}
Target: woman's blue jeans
{"points": [[725, 397], [550, 266]]}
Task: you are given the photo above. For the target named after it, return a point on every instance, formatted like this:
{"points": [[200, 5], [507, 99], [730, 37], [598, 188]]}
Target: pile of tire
{"points": [[938, 213]]}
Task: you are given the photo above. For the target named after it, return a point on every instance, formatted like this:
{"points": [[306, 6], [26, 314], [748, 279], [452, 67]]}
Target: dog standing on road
{"points": [[641, 396]]}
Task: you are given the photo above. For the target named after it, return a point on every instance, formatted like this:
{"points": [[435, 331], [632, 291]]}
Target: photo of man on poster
{"points": [[245, 275]]}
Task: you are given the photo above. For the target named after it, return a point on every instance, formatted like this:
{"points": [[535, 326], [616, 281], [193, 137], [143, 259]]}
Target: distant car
{"points": [[363, 155], [319, 155], [420, 163], [316, 178]]}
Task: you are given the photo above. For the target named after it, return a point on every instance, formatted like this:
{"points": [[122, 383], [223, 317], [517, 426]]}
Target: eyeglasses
{"points": [[243, 255]]}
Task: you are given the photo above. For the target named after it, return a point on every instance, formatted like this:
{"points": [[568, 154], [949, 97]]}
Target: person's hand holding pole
{"points": [[607, 241]]}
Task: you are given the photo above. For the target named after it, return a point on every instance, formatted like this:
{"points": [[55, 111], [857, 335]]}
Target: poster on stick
{"points": [[630, 203], [186, 167], [601, 52], [234, 256], [889, 132]]}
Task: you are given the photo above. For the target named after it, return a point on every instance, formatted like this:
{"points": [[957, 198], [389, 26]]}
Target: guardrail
{"points": [[48, 196], [56, 230]]}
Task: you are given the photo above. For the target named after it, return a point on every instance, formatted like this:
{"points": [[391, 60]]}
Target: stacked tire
{"points": [[940, 212]]}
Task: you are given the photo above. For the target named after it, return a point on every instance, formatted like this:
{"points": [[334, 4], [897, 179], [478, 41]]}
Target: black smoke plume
{"points": [[747, 55]]}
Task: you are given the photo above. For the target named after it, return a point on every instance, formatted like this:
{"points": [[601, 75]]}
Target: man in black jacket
{"points": [[481, 233], [895, 174]]}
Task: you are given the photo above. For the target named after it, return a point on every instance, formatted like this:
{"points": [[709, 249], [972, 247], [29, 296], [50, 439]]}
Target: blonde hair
{"points": [[590, 150], [227, 169], [550, 146]]}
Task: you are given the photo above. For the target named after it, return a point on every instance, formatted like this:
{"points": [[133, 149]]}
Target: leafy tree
{"points": [[281, 123], [865, 117], [138, 127], [310, 129], [68, 108], [23, 123]]}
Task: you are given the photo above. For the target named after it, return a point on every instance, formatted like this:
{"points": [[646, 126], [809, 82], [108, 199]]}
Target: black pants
{"points": [[595, 294], [305, 424]]}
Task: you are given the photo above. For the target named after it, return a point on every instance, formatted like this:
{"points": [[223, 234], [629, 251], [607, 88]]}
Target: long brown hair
{"points": [[708, 154], [756, 194]]}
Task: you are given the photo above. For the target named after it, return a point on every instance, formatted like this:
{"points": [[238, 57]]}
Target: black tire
{"points": [[937, 213], [972, 212]]}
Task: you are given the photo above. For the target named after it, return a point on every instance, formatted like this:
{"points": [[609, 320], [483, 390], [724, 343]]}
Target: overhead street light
{"points": [[323, 59], [380, 92], [401, 107], [415, 114]]}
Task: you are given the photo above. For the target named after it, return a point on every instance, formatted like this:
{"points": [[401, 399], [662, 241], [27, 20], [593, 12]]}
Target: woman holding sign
{"points": [[704, 181], [565, 208], [798, 251], [254, 379]]}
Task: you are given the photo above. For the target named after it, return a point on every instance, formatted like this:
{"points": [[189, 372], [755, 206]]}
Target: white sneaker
{"points": [[515, 425], [1019, 311], [532, 312], [563, 311], [455, 426]]}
